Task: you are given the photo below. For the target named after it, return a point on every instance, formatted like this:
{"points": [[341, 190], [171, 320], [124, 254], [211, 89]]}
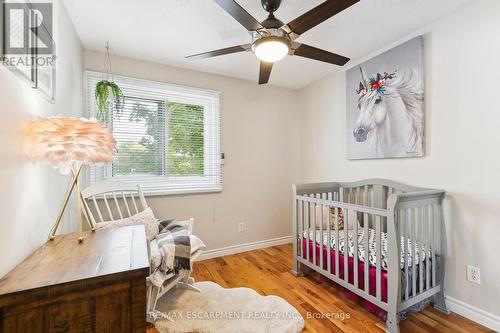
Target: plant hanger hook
{"points": [[108, 69]]}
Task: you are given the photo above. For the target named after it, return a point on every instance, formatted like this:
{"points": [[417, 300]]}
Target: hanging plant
{"points": [[107, 93]]}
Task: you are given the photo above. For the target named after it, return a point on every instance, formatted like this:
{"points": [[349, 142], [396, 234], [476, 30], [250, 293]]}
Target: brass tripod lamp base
{"points": [[80, 203]]}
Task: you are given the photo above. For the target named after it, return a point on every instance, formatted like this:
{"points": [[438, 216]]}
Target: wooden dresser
{"points": [[96, 286]]}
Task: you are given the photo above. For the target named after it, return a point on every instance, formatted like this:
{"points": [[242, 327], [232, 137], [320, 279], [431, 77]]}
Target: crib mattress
{"points": [[420, 253]]}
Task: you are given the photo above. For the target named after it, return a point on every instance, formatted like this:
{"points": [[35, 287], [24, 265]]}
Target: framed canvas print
{"points": [[46, 67], [46, 80], [27, 44], [17, 55], [385, 104]]}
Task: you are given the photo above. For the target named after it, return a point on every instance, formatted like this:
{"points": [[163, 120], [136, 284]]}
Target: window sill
{"points": [[178, 192]]}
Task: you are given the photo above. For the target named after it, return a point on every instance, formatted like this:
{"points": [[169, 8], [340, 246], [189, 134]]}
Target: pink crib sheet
{"points": [[372, 275]]}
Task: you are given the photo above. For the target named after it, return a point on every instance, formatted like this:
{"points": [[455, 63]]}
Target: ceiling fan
{"points": [[272, 39]]}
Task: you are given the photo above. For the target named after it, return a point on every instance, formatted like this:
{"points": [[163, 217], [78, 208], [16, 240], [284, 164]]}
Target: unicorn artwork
{"points": [[385, 110]]}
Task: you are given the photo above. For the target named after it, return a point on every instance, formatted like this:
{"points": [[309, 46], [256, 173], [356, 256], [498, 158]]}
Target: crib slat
{"points": [[321, 221], [126, 203], [425, 246], [378, 255], [107, 207], [365, 196], [420, 248], [346, 244], [308, 229], [413, 225], [355, 256], [314, 228], [300, 221], [372, 196], [337, 254], [404, 219], [434, 232], [329, 241], [367, 245], [399, 235], [427, 249], [117, 205], [97, 208]]}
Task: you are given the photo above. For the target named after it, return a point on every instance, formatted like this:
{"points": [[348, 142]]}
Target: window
{"points": [[167, 137]]}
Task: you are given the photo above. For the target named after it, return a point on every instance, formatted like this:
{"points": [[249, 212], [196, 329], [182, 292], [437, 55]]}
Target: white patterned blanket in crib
{"points": [[420, 254]]}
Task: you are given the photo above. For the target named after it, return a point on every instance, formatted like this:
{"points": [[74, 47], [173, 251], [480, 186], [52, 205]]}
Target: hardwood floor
{"points": [[268, 272]]}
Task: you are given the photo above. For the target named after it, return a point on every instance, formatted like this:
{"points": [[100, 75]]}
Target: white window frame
{"points": [[166, 185]]}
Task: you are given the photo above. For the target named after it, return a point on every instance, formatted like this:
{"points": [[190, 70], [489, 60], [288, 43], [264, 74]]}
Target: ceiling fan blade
{"points": [[319, 14], [265, 72], [240, 14], [311, 52], [215, 53]]}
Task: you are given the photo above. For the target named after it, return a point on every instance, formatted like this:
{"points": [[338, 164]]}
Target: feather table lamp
{"points": [[69, 144]]}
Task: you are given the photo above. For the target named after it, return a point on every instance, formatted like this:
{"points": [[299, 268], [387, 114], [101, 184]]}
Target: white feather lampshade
{"points": [[64, 142], [69, 143]]}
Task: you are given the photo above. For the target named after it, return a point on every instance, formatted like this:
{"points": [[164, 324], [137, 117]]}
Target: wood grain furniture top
{"points": [[65, 286], [63, 260]]}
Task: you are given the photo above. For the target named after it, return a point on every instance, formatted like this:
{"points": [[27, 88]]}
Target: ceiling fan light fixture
{"points": [[271, 49]]}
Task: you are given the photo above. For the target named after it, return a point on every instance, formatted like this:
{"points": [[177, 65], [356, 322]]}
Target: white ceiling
{"points": [[165, 31]]}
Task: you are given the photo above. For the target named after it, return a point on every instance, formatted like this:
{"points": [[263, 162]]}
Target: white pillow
{"points": [[146, 218], [196, 244]]}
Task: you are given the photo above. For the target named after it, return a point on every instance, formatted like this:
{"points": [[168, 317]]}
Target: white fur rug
{"points": [[216, 310]]}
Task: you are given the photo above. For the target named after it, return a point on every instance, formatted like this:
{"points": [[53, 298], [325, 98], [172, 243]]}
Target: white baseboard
{"points": [[224, 251], [475, 314]]}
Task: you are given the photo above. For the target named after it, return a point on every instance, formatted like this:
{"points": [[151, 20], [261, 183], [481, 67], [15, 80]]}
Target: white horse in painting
{"points": [[390, 121]]}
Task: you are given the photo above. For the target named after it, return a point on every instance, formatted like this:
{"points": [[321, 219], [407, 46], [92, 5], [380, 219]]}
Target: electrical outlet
{"points": [[241, 227], [473, 274]]}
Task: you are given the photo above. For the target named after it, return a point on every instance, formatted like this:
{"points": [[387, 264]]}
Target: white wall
{"points": [[259, 138], [32, 193], [462, 55]]}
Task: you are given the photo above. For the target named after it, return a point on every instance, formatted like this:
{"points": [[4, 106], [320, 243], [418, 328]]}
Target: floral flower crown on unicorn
{"points": [[373, 84]]}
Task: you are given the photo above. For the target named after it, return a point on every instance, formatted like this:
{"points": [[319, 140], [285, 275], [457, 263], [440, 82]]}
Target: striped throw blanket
{"points": [[175, 246]]}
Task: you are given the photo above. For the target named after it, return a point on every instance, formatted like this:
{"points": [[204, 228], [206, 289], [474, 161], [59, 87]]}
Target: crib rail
{"points": [[407, 219], [312, 209]]}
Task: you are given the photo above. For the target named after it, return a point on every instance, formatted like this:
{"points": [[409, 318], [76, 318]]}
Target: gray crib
{"points": [[393, 237]]}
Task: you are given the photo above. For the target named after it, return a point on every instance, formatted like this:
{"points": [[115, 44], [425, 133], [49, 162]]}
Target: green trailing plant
{"points": [[108, 94]]}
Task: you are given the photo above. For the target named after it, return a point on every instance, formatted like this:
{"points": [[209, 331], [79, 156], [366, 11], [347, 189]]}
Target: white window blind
{"points": [[168, 136]]}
